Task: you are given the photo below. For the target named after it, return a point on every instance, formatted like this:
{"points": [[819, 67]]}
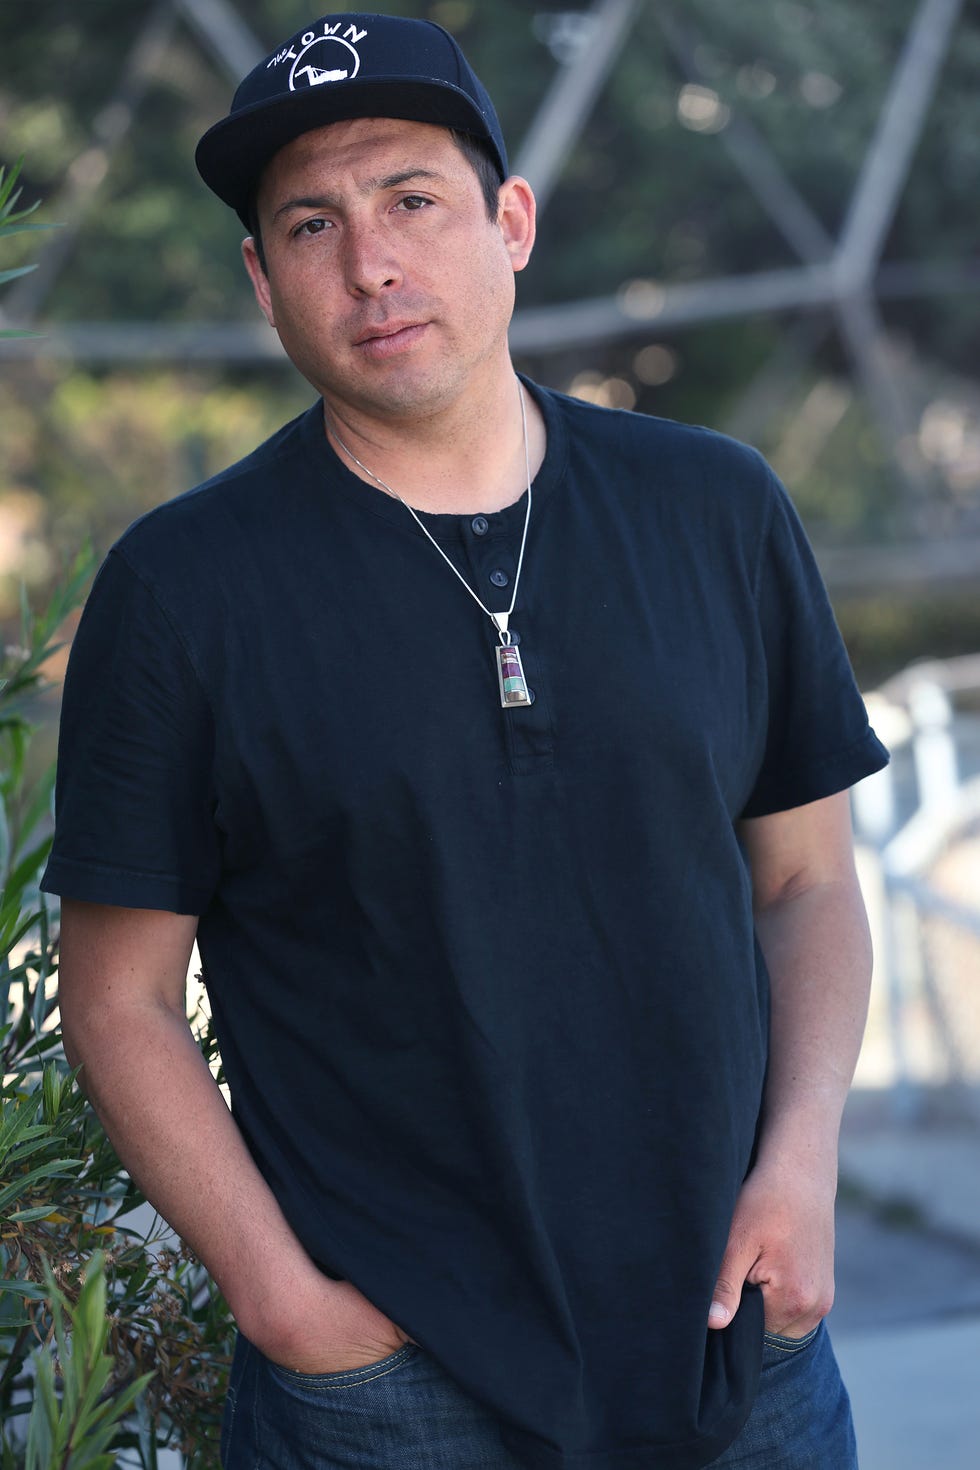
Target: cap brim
{"points": [[232, 155]]}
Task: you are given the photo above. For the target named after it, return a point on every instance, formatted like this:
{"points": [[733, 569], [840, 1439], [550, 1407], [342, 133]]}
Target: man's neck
{"points": [[460, 461]]}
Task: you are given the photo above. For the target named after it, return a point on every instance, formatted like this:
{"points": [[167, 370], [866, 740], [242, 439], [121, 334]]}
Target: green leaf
{"points": [[44, 1416], [89, 1314], [6, 230], [26, 1149], [55, 1169], [94, 1371], [11, 1324], [18, 1122], [8, 942], [30, 1289], [38, 1007], [8, 179], [39, 804], [9, 911], [30, 864], [59, 1309], [103, 1425], [52, 1091], [14, 272], [37, 1212], [146, 1436], [4, 841]]}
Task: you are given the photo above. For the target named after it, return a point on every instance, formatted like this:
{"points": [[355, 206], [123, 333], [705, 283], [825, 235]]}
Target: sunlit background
{"points": [[760, 216]]}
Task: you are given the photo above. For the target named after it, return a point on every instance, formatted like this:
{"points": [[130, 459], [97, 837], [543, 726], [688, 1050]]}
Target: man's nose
{"points": [[371, 266]]}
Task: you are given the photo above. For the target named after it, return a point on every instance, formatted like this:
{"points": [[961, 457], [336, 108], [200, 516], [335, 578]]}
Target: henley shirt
{"points": [[485, 980]]}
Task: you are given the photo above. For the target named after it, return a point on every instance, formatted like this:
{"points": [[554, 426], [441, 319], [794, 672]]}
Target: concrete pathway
{"points": [[915, 1393], [906, 1326]]}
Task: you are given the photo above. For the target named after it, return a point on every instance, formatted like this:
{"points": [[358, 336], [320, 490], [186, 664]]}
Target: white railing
{"points": [[921, 819]]}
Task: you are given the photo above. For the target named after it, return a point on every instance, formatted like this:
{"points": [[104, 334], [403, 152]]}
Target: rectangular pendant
{"points": [[510, 676]]}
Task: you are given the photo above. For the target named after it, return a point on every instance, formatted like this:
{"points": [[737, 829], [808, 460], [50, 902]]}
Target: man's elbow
{"points": [[72, 1054], [73, 1038]]}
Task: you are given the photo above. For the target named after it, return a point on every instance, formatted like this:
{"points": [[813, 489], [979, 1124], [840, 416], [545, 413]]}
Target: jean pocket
{"points": [[790, 1345], [346, 1378]]}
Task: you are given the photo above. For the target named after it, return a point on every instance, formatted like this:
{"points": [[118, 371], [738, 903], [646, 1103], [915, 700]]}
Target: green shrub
{"points": [[112, 1341]]}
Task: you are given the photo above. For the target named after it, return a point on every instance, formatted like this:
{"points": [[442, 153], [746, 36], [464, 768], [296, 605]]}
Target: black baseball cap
{"points": [[344, 66]]}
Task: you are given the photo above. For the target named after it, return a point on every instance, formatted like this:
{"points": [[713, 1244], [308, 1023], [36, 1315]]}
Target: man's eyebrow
{"points": [[405, 176], [370, 186], [306, 201]]}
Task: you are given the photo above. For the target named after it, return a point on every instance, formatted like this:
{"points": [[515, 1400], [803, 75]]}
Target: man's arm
{"points": [[813, 931], [121, 981]]}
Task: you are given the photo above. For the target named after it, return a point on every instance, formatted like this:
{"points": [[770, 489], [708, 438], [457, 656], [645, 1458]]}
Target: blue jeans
{"points": [[405, 1413]]}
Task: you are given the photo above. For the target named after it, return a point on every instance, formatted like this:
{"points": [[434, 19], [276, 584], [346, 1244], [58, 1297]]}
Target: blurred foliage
{"points": [[111, 1341], [14, 221], [650, 192], [107, 447], [880, 630]]}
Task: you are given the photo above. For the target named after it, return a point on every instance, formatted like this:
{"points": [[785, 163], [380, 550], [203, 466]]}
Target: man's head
{"points": [[367, 162], [340, 67], [385, 279]]}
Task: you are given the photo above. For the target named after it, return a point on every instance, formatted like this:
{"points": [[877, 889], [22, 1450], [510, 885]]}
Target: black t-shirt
{"points": [[485, 980]]}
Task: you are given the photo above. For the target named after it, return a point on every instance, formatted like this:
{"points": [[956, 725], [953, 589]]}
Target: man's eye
{"points": [[413, 202], [311, 227]]}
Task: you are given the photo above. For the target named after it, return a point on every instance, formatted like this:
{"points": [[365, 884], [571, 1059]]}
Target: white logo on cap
{"points": [[320, 61]]}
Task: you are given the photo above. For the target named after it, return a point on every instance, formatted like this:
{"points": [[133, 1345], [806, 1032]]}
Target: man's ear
{"points": [[515, 216], [259, 279]]}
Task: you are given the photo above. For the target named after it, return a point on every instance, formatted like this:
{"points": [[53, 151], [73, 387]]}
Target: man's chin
{"points": [[399, 390]]}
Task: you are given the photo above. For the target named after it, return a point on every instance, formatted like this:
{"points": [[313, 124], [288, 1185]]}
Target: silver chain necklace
{"points": [[510, 671]]}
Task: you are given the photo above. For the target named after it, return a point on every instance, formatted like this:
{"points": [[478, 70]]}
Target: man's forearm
{"points": [[159, 1104], [818, 953], [813, 931]]}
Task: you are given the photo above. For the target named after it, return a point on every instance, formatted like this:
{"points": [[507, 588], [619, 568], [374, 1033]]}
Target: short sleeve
{"points": [[134, 799], [818, 739]]}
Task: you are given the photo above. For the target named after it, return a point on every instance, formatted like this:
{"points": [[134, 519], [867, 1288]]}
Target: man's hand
{"points": [[781, 1239], [813, 931], [330, 1327]]}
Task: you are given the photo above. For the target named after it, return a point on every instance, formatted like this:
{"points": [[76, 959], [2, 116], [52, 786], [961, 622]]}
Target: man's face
{"points": [[389, 286]]}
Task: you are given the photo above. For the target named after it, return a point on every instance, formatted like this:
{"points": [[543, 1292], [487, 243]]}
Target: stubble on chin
{"points": [[404, 391]]}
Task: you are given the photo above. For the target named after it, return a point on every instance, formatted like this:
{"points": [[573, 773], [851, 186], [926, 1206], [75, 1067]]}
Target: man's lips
{"points": [[391, 338]]}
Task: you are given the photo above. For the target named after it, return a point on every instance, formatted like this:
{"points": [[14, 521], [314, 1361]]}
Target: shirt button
{"points": [[499, 578], [479, 525]]}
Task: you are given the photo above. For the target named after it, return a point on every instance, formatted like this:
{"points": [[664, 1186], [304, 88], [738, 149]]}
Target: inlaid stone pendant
{"points": [[510, 674]]}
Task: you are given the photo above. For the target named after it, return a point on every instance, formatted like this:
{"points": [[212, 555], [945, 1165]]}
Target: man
{"points": [[486, 741]]}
